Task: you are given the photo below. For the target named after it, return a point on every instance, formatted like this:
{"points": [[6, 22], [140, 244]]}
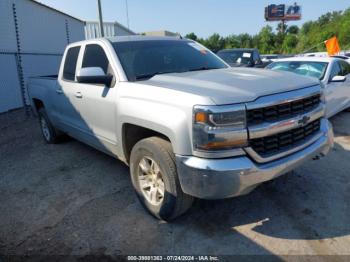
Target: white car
{"points": [[334, 73], [269, 58], [344, 57]]}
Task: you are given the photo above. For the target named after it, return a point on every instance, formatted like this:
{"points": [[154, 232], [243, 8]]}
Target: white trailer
{"points": [[92, 29]]}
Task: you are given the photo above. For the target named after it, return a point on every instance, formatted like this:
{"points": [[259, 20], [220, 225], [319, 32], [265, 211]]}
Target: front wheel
{"points": [[155, 180]]}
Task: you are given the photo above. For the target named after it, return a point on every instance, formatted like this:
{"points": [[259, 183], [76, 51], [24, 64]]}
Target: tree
{"points": [[307, 27], [215, 42], [289, 43], [245, 40], [232, 42], [312, 34], [293, 29], [192, 36], [266, 40]]}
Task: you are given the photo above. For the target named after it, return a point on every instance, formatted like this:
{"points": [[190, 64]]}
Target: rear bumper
{"points": [[224, 178]]}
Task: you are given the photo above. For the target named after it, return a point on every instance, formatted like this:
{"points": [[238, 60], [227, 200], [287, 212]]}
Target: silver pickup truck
{"points": [[186, 123]]}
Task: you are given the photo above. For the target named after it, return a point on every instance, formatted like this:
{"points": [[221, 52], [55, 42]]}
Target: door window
{"points": [[70, 63], [336, 70], [345, 68], [95, 56]]}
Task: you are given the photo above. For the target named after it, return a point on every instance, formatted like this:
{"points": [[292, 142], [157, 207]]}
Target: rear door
{"points": [[97, 102]]}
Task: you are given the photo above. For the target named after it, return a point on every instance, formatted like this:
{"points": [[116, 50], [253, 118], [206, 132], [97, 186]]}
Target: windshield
{"points": [[312, 69], [236, 56], [144, 59]]}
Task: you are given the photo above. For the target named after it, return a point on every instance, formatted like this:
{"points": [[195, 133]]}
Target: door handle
{"points": [[59, 91], [78, 95]]}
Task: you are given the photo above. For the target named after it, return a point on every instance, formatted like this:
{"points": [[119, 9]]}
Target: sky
{"points": [[203, 17]]}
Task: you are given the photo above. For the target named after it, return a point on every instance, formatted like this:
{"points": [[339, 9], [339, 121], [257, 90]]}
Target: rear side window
{"points": [[95, 56], [71, 63]]}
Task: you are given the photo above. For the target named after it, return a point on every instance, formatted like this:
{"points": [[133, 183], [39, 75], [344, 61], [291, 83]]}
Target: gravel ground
{"points": [[69, 199]]}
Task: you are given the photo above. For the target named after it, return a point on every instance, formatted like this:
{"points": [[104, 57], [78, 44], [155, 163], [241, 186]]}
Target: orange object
{"points": [[332, 45], [201, 117], [225, 144]]}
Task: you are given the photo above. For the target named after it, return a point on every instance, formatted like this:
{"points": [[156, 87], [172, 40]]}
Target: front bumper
{"points": [[224, 178]]}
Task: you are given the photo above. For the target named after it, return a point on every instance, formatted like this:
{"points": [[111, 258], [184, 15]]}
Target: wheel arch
{"points": [[132, 133], [37, 104]]}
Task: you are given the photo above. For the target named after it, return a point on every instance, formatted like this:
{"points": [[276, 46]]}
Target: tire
{"points": [[50, 134], [174, 201]]}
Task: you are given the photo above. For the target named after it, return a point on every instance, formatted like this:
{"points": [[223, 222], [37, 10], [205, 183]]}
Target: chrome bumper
{"points": [[224, 178]]}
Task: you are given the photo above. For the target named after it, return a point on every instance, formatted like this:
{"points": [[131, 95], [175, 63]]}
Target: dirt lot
{"points": [[72, 199]]}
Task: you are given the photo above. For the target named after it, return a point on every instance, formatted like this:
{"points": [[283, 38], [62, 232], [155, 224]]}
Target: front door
{"points": [[334, 92], [345, 67], [97, 103]]}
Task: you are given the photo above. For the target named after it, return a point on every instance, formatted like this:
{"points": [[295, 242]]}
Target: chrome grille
{"points": [[282, 111], [275, 144]]}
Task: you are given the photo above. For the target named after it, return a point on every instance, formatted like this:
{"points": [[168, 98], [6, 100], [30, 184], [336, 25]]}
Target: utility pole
{"points": [[127, 13], [283, 26], [100, 18]]}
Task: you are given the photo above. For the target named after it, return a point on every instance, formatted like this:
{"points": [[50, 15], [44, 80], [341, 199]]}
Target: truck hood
{"points": [[232, 85]]}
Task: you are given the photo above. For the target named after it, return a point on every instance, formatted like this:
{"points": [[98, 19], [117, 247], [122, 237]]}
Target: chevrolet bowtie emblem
{"points": [[304, 120]]}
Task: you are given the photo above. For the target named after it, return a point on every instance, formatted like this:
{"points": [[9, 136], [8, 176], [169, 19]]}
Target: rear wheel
{"points": [[50, 134], [154, 177]]}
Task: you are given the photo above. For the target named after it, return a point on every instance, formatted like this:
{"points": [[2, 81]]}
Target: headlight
{"points": [[219, 129]]}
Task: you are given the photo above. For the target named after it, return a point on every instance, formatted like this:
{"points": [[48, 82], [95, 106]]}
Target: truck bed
{"points": [[42, 88]]}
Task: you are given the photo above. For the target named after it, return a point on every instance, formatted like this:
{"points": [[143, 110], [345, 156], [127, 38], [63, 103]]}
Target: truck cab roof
{"points": [[143, 38]]}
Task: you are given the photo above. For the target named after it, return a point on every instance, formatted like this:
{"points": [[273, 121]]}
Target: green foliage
{"points": [[309, 37], [266, 40], [192, 36], [289, 43], [215, 42], [293, 30]]}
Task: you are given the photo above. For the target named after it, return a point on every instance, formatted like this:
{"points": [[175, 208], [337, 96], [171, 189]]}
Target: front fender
{"points": [[172, 121]]}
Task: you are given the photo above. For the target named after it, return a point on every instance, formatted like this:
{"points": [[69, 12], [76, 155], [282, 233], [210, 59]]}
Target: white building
{"points": [[92, 30], [33, 37], [162, 33]]}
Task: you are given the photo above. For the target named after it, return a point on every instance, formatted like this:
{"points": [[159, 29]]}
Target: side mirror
{"points": [[338, 79], [94, 75]]}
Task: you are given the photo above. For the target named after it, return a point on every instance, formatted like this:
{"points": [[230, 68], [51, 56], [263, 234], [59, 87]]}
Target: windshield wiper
{"points": [[203, 68], [148, 76]]}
